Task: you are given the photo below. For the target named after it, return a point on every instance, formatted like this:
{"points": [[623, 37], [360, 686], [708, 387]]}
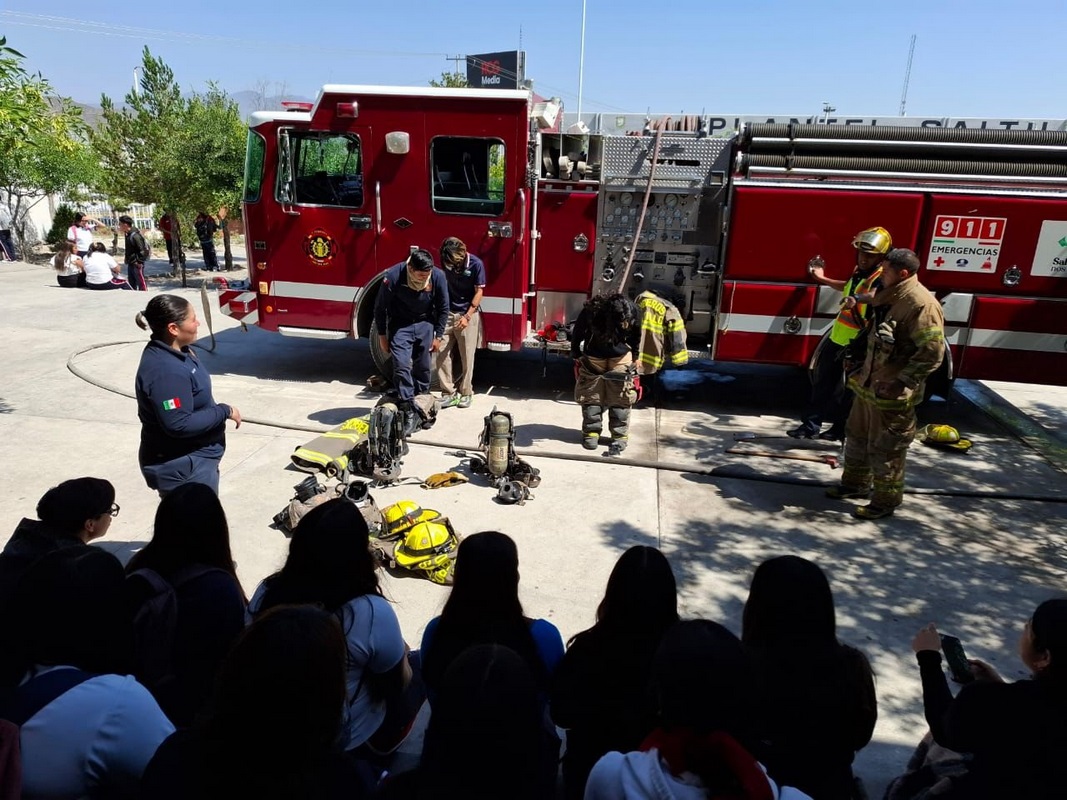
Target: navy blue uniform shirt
{"points": [[398, 305], [463, 283], [174, 403]]}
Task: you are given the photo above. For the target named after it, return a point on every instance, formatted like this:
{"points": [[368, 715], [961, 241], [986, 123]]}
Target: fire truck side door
{"points": [[322, 238]]}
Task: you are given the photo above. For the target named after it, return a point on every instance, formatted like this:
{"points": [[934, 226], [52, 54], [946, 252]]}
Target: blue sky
{"points": [[972, 58]]}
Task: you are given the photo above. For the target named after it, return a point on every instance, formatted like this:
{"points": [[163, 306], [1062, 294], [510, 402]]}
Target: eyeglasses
{"points": [[113, 511]]}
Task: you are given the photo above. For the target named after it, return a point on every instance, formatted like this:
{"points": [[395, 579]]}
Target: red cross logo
{"points": [[938, 261]]}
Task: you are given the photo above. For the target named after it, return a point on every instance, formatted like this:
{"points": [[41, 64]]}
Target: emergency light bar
{"points": [[296, 105]]}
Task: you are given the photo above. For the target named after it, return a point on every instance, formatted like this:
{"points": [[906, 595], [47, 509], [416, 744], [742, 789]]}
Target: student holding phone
{"points": [[1015, 733]]}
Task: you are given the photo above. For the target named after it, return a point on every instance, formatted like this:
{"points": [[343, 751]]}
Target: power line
{"points": [[74, 25]]}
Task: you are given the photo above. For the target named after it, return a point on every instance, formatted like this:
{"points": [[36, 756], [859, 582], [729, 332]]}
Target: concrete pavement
{"points": [[977, 559]]}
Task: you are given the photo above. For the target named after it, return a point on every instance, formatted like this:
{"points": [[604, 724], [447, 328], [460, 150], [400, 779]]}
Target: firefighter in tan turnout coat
{"points": [[905, 343]]}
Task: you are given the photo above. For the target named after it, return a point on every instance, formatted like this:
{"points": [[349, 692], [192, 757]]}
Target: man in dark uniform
{"points": [[411, 313]]}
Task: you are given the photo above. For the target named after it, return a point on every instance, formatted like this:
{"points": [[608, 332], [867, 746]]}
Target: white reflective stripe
{"points": [[314, 291], [955, 335], [957, 307], [311, 333], [244, 297], [758, 323], [502, 305], [251, 319], [1018, 340]]}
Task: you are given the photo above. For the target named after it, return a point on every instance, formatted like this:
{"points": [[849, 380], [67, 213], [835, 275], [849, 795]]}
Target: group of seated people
{"points": [[158, 679], [96, 270]]}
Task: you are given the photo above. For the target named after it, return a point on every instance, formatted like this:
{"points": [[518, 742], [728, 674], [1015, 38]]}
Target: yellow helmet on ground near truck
{"points": [[943, 436], [873, 240], [404, 515]]}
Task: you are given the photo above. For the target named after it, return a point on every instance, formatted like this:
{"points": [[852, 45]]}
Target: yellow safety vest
{"points": [[850, 320]]}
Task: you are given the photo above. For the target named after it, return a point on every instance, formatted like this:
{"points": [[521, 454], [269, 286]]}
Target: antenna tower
{"points": [[907, 77]]}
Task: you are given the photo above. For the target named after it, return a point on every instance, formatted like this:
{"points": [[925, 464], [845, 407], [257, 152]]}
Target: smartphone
{"points": [[957, 659]]}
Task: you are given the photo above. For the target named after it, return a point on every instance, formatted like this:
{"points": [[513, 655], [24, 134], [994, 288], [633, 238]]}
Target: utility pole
{"points": [[581, 64], [136, 85], [456, 59], [907, 77], [827, 110]]}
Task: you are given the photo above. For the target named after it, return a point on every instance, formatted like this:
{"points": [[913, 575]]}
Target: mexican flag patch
{"points": [[173, 403]]}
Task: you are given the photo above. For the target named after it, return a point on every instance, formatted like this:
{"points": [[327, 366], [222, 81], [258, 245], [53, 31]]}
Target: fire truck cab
{"points": [[722, 225]]}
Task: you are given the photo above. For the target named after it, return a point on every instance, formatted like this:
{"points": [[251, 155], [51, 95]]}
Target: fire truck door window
{"points": [[467, 175], [327, 169], [254, 156]]}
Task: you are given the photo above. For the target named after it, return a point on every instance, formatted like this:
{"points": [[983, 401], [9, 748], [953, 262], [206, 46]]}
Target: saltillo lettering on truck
{"points": [[719, 219]]}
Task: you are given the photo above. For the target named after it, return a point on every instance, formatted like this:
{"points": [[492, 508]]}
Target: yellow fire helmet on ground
{"points": [[402, 516], [873, 240], [943, 436], [426, 542]]}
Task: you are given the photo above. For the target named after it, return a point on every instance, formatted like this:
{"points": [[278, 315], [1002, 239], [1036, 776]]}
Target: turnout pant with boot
{"points": [[876, 448], [605, 383]]}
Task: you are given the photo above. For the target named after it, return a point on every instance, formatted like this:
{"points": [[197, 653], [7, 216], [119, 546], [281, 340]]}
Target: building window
{"points": [[467, 175]]}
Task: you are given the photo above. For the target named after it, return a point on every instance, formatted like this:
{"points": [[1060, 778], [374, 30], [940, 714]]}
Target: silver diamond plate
{"points": [[704, 162]]}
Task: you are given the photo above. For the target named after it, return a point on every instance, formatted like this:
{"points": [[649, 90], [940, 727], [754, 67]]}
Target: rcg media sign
{"points": [[496, 70]]}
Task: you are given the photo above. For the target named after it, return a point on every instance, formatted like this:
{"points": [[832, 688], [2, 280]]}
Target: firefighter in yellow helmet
{"points": [[830, 400], [905, 343]]}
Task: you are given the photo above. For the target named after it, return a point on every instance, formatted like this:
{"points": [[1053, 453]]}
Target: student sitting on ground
{"points": [[484, 737], [87, 730], [484, 608], [70, 515], [272, 730], [330, 565], [599, 691], [102, 271], [1015, 733], [704, 737], [177, 655], [70, 274], [816, 696]]}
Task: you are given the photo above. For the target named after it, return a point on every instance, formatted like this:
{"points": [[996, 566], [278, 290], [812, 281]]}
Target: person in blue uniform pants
{"points": [[411, 313], [183, 429]]}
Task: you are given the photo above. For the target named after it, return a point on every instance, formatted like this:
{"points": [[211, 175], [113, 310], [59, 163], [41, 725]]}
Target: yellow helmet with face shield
{"points": [[873, 240]]}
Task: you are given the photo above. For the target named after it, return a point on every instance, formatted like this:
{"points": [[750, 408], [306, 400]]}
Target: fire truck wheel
{"points": [[382, 360]]}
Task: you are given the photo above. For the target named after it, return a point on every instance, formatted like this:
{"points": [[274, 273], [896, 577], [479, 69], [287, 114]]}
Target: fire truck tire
{"points": [[383, 362]]}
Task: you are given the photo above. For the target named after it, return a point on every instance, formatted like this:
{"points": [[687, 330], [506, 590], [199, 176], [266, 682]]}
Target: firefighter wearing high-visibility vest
{"points": [[830, 400], [905, 343]]}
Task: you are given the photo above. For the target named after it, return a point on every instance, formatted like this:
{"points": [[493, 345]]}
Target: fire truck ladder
{"points": [[1029, 158]]}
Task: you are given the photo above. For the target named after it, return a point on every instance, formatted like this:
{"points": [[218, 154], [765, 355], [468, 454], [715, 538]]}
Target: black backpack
{"points": [[155, 622]]}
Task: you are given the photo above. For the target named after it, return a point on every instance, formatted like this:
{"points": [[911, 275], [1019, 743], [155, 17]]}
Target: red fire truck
{"points": [[719, 215]]}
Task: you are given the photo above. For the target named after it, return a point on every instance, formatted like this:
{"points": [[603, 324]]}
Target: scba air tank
{"points": [[499, 437]]}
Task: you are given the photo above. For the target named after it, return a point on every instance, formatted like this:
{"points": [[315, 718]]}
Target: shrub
{"points": [[63, 220]]}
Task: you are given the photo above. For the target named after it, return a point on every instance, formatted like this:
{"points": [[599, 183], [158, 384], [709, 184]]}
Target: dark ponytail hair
{"points": [[161, 311]]}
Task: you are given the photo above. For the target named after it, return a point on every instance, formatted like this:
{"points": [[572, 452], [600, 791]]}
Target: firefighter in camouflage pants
{"points": [[905, 343]]}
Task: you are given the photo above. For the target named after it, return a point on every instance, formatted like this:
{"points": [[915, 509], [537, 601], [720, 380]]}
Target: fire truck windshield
{"points": [[327, 169]]}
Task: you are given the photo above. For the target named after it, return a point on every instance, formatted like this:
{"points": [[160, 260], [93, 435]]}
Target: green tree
{"points": [[42, 141], [183, 153], [450, 80]]}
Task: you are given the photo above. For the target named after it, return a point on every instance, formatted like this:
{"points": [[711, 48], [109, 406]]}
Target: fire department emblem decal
{"points": [[320, 247]]}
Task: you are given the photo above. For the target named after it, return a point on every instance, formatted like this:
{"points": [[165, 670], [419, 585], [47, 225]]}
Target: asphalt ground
{"points": [[975, 552]]}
